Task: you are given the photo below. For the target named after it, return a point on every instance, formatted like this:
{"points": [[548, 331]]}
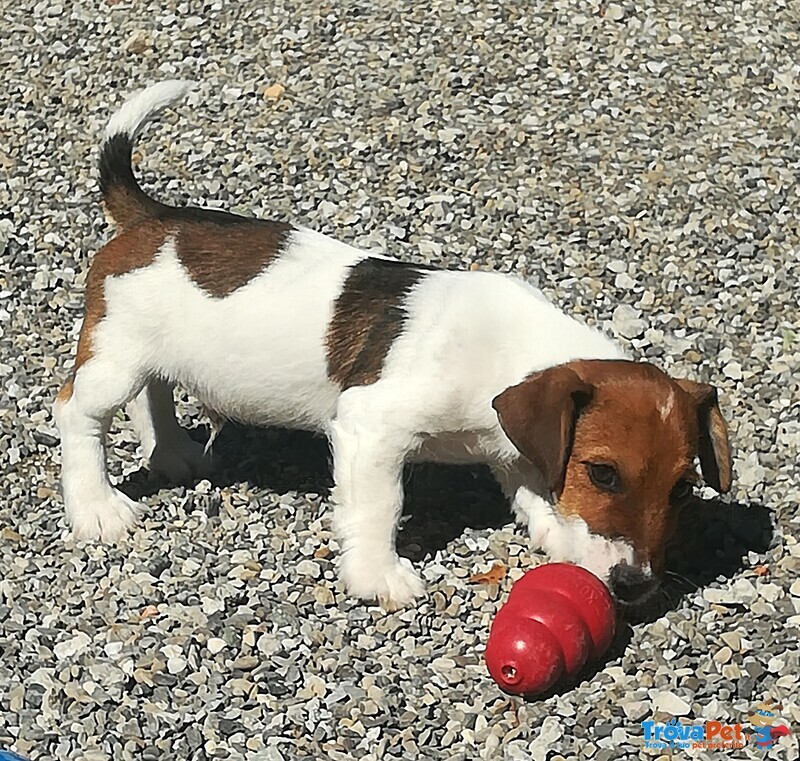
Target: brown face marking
{"points": [[367, 318], [641, 424], [223, 252], [715, 450], [627, 416]]}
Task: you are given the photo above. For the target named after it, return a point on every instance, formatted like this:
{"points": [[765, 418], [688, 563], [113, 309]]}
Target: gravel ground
{"points": [[640, 166]]}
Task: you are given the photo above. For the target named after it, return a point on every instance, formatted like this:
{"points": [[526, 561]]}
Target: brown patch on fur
{"points": [[715, 449], [132, 250], [65, 393], [222, 252], [538, 416], [123, 207], [368, 316], [637, 420]]}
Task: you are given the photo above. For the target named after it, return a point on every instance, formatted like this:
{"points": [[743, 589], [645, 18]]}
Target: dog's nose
{"points": [[631, 585]]}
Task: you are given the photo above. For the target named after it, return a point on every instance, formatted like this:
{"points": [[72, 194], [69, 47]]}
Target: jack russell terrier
{"points": [[269, 323]]}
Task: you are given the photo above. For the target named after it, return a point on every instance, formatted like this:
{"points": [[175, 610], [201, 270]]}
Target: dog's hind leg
{"points": [[167, 445], [83, 411]]}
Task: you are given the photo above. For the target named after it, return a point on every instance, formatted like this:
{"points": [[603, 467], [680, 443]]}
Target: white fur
{"points": [[562, 538], [258, 355], [570, 538], [144, 105], [666, 406]]}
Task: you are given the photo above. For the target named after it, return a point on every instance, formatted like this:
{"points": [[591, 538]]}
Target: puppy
{"points": [[269, 323]]}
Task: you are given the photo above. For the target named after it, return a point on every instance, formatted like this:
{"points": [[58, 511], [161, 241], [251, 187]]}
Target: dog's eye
{"points": [[682, 491], [604, 477]]}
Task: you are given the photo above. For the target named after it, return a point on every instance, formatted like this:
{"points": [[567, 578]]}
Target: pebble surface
{"points": [[640, 165]]}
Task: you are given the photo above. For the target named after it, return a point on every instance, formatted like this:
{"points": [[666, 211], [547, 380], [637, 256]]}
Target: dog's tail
{"points": [[125, 202]]}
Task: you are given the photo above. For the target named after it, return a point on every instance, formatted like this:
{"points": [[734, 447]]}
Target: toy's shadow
{"points": [[712, 541]]}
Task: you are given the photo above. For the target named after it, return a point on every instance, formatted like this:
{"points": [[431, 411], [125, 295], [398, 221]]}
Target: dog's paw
{"points": [[396, 586], [403, 586], [108, 519], [180, 462]]}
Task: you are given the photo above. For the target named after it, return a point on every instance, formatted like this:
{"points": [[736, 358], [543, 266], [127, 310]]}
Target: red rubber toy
{"points": [[558, 617]]}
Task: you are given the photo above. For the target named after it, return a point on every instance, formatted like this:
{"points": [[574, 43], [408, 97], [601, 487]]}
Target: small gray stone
{"points": [[733, 370], [635, 710], [628, 321], [723, 655], [733, 640], [670, 703], [308, 568]]}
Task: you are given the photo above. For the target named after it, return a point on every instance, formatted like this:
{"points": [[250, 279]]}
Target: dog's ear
{"points": [[538, 416], [714, 447]]}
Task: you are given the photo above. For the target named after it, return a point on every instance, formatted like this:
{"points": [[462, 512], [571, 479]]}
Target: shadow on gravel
{"points": [[441, 500], [618, 647], [712, 540]]}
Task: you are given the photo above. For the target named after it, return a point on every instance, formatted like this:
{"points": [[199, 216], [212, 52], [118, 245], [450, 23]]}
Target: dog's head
{"points": [[616, 442]]}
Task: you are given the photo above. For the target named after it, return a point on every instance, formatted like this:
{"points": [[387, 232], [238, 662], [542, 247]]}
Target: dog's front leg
{"points": [[368, 495], [167, 445], [524, 488]]}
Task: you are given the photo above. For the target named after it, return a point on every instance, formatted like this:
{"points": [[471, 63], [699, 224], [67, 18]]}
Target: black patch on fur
{"points": [[124, 199], [128, 203], [368, 316], [115, 164]]}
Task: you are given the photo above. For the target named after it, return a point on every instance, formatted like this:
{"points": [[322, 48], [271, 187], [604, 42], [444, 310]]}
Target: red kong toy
{"points": [[558, 617]]}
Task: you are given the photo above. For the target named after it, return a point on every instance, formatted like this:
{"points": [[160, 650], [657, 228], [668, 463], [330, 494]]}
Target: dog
{"points": [[268, 323]]}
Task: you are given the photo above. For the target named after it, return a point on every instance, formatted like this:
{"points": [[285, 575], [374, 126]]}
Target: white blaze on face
{"points": [[569, 539], [667, 405]]}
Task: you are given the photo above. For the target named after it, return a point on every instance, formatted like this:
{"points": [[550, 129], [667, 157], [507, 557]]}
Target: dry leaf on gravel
{"points": [[274, 91], [493, 576]]}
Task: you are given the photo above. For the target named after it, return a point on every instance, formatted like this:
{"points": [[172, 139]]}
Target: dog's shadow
{"points": [[712, 541], [441, 501]]}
